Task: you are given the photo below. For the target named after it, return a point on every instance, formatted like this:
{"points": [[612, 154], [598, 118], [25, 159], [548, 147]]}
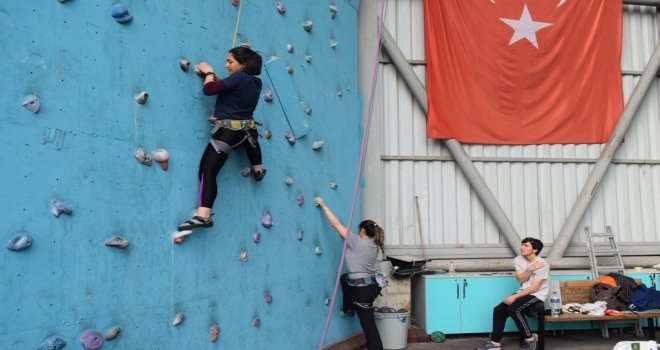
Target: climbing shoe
{"points": [[195, 222], [259, 175], [347, 313]]}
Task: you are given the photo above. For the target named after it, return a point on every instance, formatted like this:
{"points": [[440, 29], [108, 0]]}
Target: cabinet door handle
{"points": [[457, 295], [464, 285]]}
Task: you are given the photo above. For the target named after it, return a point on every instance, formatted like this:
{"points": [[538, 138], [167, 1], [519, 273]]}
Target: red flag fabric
{"points": [[523, 71]]}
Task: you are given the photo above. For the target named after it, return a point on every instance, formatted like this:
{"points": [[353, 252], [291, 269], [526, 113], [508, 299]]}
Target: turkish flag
{"points": [[523, 71]]}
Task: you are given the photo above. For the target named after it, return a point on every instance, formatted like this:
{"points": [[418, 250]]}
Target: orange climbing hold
{"points": [[214, 332], [234, 2]]}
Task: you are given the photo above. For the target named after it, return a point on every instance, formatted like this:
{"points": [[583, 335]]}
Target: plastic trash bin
{"points": [[393, 329]]}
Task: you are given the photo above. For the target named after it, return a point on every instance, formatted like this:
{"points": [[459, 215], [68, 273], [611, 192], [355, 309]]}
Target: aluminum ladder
{"points": [[605, 258]]}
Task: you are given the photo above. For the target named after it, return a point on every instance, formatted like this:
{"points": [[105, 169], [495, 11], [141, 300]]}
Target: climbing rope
{"points": [[363, 150], [238, 20]]}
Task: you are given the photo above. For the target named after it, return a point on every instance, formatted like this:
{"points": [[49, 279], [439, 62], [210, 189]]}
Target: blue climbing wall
{"points": [[86, 69]]}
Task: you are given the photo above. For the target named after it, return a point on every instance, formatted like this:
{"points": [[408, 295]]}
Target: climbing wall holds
{"points": [[318, 250], [120, 13], [267, 219], [178, 319], [62, 0], [308, 110], [290, 48], [333, 43], [214, 332], [234, 2], [307, 26], [19, 242], [142, 156], [340, 93], [280, 8], [113, 333], [300, 235], [318, 145], [142, 98], [333, 185], [31, 102], [308, 58], [268, 298], [52, 343], [289, 137], [91, 339], [289, 69], [326, 301], [243, 257], [333, 11], [162, 156], [268, 134], [117, 242], [256, 237], [184, 63], [245, 172], [289, 181], [268, 95], [256, 322], [300, 199], [58, 207]]}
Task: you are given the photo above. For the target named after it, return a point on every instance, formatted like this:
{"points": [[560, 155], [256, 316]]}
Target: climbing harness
{"points": [[363, 149]]}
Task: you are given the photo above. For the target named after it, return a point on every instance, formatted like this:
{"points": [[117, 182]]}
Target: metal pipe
{"points": [[455, 149], [520, 160], [642, 2], [596, 176], [505, 264]]}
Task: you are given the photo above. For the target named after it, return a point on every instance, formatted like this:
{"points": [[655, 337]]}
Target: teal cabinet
{"points": [[443, 306]]}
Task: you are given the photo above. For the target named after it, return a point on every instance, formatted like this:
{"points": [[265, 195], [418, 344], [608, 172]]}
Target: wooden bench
{"points": [[580, 292]]}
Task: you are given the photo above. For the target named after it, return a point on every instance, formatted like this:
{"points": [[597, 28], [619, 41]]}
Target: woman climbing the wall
{"points": [[233, 127], [359, 285]]}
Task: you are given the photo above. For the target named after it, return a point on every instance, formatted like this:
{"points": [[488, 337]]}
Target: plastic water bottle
{"points": [[452, 269], [555, 305]]}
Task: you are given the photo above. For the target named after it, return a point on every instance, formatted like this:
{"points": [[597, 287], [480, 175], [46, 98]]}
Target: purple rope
{"points": [[363, 151]]}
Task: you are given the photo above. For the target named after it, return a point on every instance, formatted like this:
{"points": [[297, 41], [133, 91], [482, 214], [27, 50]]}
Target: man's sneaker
{"points": [[488, 346], [259, 175], [530, 344], [195, 222]]}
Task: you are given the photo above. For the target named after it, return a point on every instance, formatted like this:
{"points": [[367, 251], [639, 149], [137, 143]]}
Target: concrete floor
{"points": [[582, 340]]}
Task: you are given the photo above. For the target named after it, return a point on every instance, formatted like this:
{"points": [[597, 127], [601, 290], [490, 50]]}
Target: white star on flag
{"points": [[525, 27]]}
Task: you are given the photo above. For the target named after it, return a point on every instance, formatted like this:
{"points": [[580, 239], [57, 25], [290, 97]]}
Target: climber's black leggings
{"points": [[212, 160]]}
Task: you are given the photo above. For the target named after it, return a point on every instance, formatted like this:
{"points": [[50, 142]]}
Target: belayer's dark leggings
{"points": [[212, 160]]}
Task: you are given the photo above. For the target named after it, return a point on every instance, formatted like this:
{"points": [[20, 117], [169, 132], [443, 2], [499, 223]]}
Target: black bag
{"points": [[608, 294]]}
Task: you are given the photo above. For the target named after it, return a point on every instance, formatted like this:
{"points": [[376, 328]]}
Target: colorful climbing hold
{"points": [[178, 319], [184, 63], [333, 11], [268, 134], [234, 2], [333, 43], [333, 185], [58, 207], [256, 322], [256, 237], [117, 242], [300, 199], [120, 13], [308, 58], [300, 234], [142, 98], [340, 93], [243, 257], [91, 339], [31, 102], [290, 48], [267, 219], [52, 343], [289, 69], [245, 172], [289, 181], [162, 156], [326, 301], [290, 137], [307, 26], [19, 242], [280, 8], [308, 110], [113, 333], [215, 330], [142, 156], [268, 298], [268, 95], [318, 250], [318, 145]]}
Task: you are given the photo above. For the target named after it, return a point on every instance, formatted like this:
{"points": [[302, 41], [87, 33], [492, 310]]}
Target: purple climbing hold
{"points": [[289, 137], [280, 8], [245, 172], [268, 298], [31, 102], [268, 95], [300, 199], [120, 14], [256, 237], [19, 242], [58, 207], [91, 339], [52, 343], [267, 219], [256, 322]]}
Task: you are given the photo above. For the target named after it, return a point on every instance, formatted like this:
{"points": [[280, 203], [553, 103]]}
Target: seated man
{"points": [[532, 272]]}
